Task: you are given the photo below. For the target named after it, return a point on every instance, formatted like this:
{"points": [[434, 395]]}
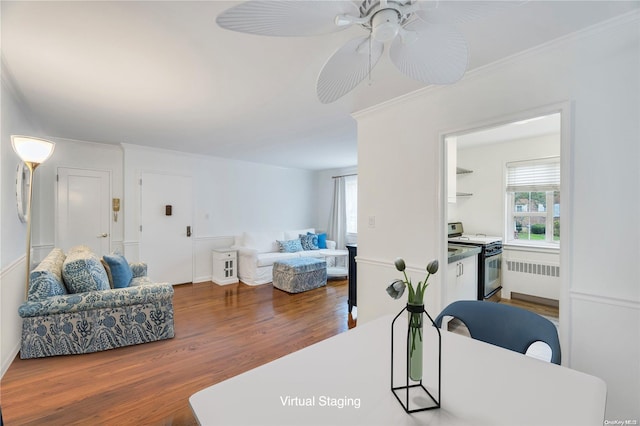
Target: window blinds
{"points": [[534, 176]]}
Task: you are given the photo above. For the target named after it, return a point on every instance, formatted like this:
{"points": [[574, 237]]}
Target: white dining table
{"points": [[345, 380]]}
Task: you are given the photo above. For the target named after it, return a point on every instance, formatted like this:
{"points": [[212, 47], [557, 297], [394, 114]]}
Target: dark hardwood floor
{"points": [[221, 331]]}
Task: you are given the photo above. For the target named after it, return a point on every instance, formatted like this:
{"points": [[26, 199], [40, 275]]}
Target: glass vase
{"points": [[414, 341]]}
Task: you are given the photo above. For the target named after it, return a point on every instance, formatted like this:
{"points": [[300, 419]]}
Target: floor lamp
{"points": [[33, 152]]}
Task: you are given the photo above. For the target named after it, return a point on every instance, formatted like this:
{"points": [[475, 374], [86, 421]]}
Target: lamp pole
{"points": [[33, 152], [32, 167]]}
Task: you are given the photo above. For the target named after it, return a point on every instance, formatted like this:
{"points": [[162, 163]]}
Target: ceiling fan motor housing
{"points": [[385, 24], [384, 20]]}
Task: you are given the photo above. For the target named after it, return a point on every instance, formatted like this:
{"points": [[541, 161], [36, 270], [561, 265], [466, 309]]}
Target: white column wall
{"points": [[596, 73]]}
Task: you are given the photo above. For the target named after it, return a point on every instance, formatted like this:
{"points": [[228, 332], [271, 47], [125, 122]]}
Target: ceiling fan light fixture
{"points": [[385, 25], [343, 20]]}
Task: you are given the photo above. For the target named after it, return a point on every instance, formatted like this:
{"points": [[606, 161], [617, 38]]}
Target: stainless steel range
{"points": [[489, 259]]}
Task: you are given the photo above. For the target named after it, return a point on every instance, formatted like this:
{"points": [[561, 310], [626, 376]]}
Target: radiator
{"points": [[533, 268]]}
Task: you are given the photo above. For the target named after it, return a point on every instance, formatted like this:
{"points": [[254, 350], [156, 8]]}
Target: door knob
{"points": [[188, 231], [105, 235]]}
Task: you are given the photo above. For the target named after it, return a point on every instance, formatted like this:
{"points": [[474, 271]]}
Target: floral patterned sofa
{"points": [[72, 308]]}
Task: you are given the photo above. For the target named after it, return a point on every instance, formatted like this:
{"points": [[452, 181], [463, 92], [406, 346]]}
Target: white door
{"points": [[166, 217], [83, 209]]}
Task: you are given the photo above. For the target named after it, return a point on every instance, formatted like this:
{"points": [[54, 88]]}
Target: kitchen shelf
{"points": [[461, 171]]}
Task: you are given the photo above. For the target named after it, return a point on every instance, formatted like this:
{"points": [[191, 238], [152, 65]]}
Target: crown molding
{"points": [[129, 147], [144, 148], [102, 145]]}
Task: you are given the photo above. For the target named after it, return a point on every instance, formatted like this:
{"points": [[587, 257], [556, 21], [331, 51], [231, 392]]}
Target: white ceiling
{"points": [[163, 74], [523, 129]]}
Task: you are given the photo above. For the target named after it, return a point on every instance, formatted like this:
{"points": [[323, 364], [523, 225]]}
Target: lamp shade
{"points": [[32, 150]]}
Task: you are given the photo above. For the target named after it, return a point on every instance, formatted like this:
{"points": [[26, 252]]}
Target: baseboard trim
{"points": [[535, 299], [15, 267], [7, 363]]}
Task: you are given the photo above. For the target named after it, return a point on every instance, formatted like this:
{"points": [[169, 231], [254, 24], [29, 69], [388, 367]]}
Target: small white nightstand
{"points": [[225, 266]]}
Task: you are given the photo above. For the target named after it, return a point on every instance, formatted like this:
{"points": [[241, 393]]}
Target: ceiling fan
{"points": [[424, 43]]}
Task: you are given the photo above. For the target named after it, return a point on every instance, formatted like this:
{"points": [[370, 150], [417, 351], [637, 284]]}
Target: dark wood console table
{"points": [[353, 279]]}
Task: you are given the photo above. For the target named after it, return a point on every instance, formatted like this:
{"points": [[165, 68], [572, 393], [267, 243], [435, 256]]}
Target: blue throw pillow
{"points": [[120, 270], [290, 246], [322, 241], [309, 241]]}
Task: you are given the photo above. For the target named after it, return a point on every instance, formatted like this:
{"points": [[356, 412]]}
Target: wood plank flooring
{"points": [[545, 310], [221, 331]]}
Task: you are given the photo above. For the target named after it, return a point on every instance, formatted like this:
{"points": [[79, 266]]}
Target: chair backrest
{"points": [[503, 325]]}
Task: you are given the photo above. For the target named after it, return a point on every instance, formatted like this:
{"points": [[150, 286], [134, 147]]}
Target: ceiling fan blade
{"points": [[456, 12], [348, 66], [286, 18], [435, 54]]}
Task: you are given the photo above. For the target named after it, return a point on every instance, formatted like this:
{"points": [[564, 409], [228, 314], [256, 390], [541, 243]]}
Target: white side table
{"points": [[225, 269], [340, 269]]}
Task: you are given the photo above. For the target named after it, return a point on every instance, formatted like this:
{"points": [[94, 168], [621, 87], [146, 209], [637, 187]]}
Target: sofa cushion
{"points": [[309, 241], [313, 253], [82, 272], [290, 246], [262, 242], [46, 279], [121, 272], [267, 259], [292, 235]]}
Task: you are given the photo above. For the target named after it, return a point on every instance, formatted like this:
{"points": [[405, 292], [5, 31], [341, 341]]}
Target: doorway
{"points": [[83, 215], [165, 232], [483, 195]]}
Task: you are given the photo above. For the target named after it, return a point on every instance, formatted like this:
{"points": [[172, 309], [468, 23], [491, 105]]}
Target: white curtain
{"points": [[337, 230]]}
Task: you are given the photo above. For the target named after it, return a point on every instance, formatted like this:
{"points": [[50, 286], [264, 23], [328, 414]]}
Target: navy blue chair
{"points": [[503, 325]]}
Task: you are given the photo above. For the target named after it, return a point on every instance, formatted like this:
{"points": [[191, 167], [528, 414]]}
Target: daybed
{"points": [[72, 309], [258, 250]]}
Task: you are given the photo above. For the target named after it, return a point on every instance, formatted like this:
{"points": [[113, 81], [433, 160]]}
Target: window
{"points": [[533, 202], [351, 195]]}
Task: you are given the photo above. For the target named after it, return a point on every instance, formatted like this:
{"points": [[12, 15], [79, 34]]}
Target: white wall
{"points": [[229, 197], [14, 119], [597, 73]]}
